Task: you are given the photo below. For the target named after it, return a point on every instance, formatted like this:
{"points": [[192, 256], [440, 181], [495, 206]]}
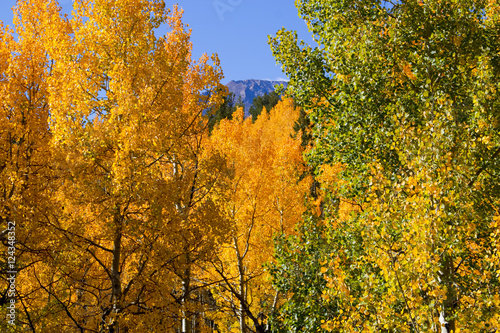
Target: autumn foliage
{"points": [[366, 200], [404, 96], [264, 199], [129, 216]]}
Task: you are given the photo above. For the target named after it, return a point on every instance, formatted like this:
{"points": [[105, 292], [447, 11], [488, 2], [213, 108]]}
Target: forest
{"points": [[135, 196]]}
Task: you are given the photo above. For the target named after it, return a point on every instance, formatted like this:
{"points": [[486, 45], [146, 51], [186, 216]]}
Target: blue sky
{"points": [[236, 30]]}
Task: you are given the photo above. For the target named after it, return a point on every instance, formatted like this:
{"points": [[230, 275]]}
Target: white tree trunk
{"points": [[443, 322], [448, 279], [186, 289], [242, 291]]}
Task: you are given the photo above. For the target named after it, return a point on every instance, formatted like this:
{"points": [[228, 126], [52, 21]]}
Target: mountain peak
{"points": [[249, 89]]}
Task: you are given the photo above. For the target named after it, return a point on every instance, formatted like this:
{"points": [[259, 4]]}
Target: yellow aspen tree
{"points": [[26, 173], [134, 186], [411, 114], [265, 198]]}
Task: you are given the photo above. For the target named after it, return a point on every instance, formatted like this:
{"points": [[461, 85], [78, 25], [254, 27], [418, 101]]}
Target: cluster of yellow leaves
{"points": [[264, 198], [127, 209], [116, 199], [405, 229], [25, 170]]}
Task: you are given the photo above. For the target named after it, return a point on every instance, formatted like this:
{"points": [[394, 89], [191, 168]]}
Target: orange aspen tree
{"points": [[134, 197], [265, 198], [26, 175]]}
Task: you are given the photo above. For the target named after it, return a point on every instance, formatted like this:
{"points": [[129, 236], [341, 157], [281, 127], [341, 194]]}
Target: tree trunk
{"points": [[186, 285], [115, 275], [446, 317], [242, 304], [242, 290]]}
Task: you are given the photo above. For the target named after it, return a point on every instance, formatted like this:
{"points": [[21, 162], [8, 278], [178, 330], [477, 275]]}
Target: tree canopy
{"points": [[135, 197], [102, 154], [264, 199], [403, 96]]}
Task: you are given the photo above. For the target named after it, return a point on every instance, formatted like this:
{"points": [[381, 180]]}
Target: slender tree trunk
{"points": [[242, 289], [115, 274], [242, 305], [446, 317], [186, 285], [273, 308]]}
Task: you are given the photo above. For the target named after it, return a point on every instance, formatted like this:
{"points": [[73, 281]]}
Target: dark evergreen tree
{"points": [[268, 100], [226, 110]]}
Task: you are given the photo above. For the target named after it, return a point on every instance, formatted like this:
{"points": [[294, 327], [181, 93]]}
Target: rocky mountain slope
{"points": [[249, 89]]}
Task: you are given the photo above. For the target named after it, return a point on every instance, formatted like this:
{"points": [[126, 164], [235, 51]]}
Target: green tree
{"points": [[403, 96], [303, 127], [268, 101], [225, 110], [297, 272]]}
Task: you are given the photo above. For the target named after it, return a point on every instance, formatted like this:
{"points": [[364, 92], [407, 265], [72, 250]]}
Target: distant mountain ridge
{"points": [[249, 89]]}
